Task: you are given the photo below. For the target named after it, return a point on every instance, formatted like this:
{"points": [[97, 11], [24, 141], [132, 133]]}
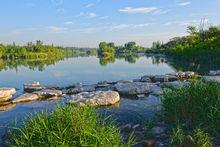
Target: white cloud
{"points": [[55, 29], [68, 22], [184, 3], [88, 15], [138, 10], [90, 5]]}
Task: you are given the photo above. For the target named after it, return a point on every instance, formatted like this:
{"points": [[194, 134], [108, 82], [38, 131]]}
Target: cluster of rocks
{"points": [[103, 93], [33, 91], [138, 88], [214, 75]]}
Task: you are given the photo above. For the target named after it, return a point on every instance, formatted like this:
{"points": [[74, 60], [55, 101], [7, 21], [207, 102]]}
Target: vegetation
{"points": [[179, 138], [37, 55], [68, 126], [198, 51], [196, 106], [107, 52]]}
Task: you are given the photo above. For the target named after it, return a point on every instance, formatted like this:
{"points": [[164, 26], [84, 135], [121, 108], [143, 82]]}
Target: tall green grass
{"points": [[68, 126], [196, 105]]}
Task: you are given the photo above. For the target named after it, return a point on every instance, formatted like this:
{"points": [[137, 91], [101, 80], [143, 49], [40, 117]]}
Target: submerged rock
{"points": [[81, 88], [31, 87], [214, 72], [6, 106], [212, 78], [96, 98], [48, 93], [6, 93], [26, 98]]}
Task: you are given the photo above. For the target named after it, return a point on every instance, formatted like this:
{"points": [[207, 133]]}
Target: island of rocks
{"points": [[103, 93]]}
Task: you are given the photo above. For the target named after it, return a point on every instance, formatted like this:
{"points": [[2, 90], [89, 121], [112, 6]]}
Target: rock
{"points": [[136, 80], [6, 93], [155, 90], [147, 78], [7, 107], [48, 93], [175, 84], [214, 72], [133, 88], [165, 78], [158, 130], [125, 81], [26, 98], [96, 98], [186, 75], [141, 96], [212, 78], [81, 88], [147, 143], [31, 87], [107, 87]]}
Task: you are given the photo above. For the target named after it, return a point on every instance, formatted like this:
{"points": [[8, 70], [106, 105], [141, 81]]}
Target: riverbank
{"points": [[147, 87]]}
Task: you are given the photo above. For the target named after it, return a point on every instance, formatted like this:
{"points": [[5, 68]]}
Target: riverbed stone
{"points": [[214, 72], [31, 87], [6, 107], [133, 88], [174, 84], [212, 78], [81, 88], [48, 93], [96, 98], [147, 78], [6, 93], [26, 98]]}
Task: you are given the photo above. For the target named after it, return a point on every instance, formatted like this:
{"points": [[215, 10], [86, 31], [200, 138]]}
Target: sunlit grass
{"points": [[68, 126]]}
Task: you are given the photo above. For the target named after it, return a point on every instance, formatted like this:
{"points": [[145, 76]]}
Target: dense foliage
{"points": [[68, 126], [107, 52], [37, 55], [199, 51], [195, 105]]}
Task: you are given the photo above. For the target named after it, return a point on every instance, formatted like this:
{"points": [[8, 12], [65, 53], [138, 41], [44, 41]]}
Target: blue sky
{"points": [[84, 23]]}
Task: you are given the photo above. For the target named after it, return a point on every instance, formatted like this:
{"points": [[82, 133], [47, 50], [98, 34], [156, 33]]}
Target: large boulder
{"points": [[96, 98], [31, 87], [133, 88], [6, 94], [26, 98]]}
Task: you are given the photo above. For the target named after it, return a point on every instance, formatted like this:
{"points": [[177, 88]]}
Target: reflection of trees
{"points": [[107, 59], [110, 58], [200, 67], [31, 64]]}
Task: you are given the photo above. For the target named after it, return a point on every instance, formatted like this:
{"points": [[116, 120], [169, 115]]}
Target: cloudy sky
{"points": [[84, 23]]}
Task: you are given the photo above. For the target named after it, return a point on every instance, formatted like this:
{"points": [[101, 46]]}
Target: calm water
{"points": [[84, 70]]}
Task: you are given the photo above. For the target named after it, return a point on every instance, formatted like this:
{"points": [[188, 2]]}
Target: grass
{"points": [[68, 126], [197, 138], [196, 105]]}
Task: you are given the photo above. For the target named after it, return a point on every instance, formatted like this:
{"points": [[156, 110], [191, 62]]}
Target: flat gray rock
{"points": [[26, 98], [212, 78], [133, 88], [48, 93], [96, 98]]}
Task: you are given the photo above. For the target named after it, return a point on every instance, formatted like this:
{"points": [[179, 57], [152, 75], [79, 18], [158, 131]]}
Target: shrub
{"points": [[68, 126], [197, 105]]}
